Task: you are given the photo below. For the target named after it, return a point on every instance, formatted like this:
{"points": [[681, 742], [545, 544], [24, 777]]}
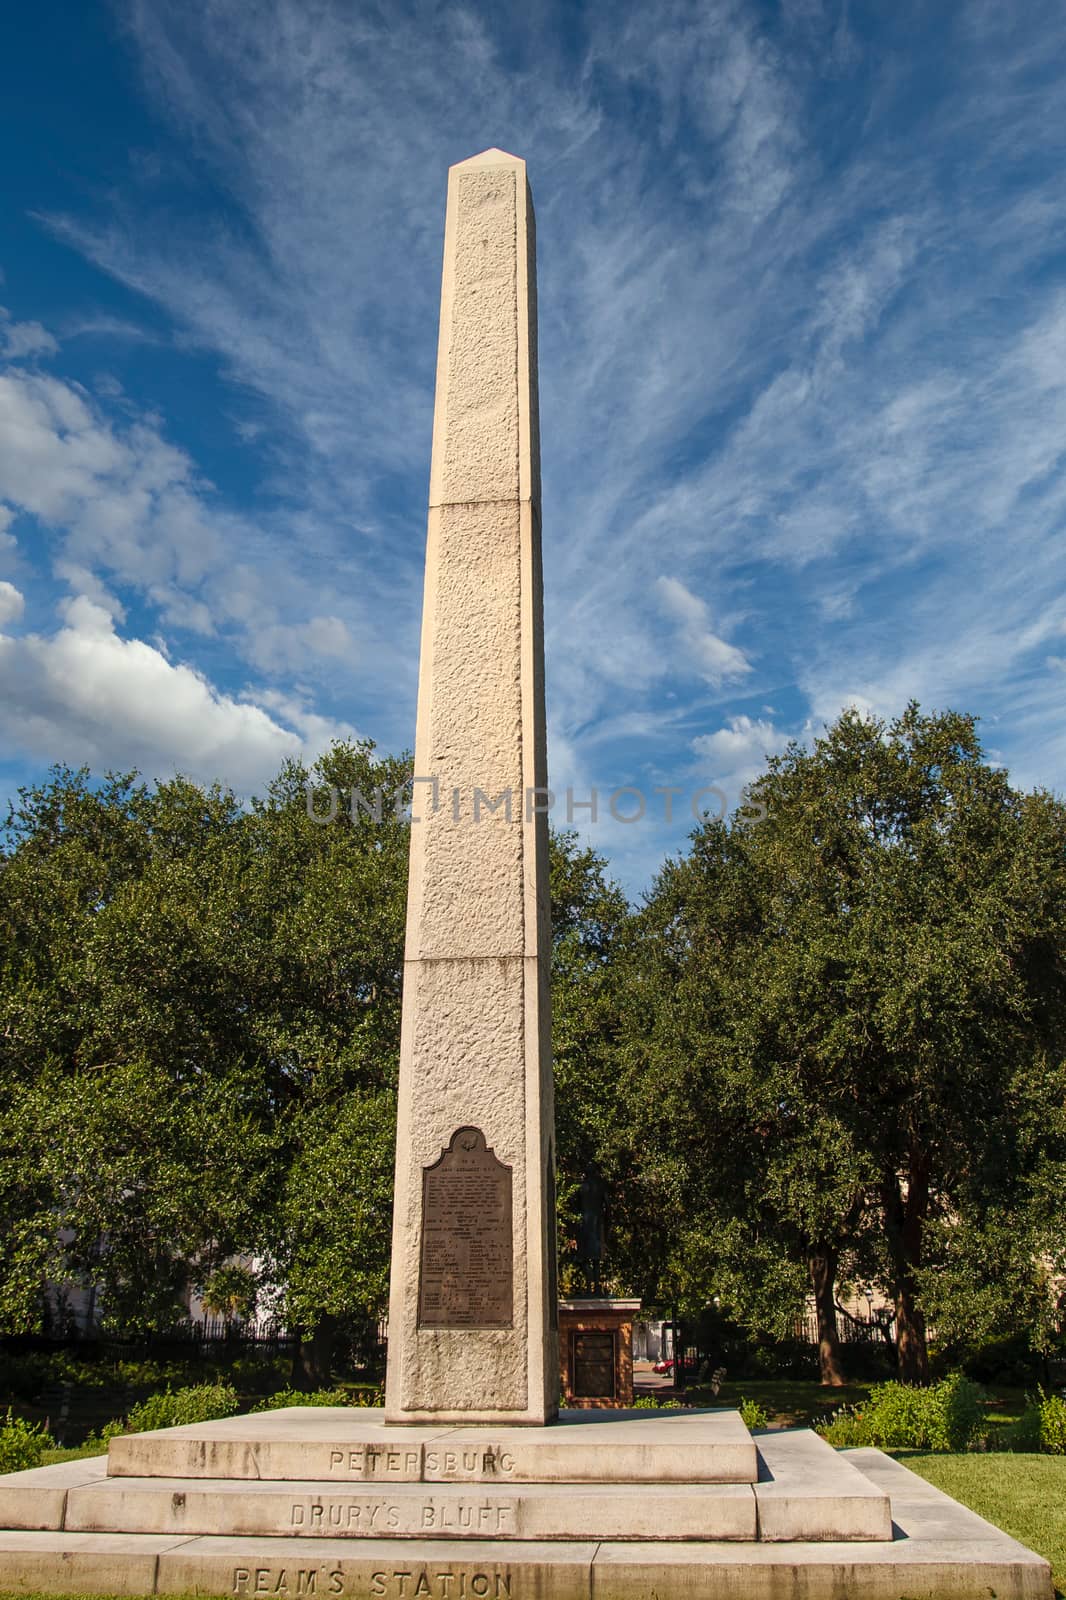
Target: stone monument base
{"points": [[317, 1501]]}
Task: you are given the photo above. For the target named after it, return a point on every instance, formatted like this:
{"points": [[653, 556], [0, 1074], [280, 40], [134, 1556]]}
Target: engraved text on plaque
{"points": [[467, 1267]]}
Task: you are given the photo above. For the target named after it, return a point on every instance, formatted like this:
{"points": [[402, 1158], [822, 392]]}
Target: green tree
{"points": [[857, 1006], [332, 1246], [116, 1115], [199, 1037], [188, 988], [590, 922]]}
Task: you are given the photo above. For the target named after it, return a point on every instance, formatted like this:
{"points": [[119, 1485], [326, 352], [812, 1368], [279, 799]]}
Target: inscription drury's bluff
{"points": [[467, 1265]]}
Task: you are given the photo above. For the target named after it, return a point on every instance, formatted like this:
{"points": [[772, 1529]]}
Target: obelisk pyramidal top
{"points": [[473, 1307]]}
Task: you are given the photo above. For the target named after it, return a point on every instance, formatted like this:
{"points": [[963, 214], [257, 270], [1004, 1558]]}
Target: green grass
{"points": [[789, 1402], [1025, 1495], [78, 1452], [34, 1594]]}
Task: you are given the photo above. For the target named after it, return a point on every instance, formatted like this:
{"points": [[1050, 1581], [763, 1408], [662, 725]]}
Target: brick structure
{"points": [[596, 1352]]}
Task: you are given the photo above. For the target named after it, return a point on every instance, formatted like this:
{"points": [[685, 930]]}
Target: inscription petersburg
{"points": [[381, 1463], [467, 1262]]}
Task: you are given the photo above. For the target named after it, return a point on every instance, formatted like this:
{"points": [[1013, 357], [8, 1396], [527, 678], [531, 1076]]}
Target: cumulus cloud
{"points": [[717, 660], [296, 710], [12, 604], [84, 693], [741, 745], [291, 646], [19, 339]]}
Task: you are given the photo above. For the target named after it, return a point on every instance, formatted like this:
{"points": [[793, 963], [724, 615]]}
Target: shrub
{"points": [[27, 1377], [895, 1416], [149, 1374], [953, 1413], [844, 1428], [201, 1403], [899, 1416], [752, 1414], [296, 1397], [100, 1441], [372, 1394], [787, 1358], [1041, 1426], [21, 1444], [1053, 1424], [869, 1360]]}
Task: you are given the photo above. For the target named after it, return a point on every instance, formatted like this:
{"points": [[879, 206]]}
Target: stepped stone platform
{"points": [[352, 1445], [619, 1505]]}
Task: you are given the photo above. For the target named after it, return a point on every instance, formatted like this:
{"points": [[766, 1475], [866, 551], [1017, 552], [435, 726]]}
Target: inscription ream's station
{"points": [[403, 1583]]}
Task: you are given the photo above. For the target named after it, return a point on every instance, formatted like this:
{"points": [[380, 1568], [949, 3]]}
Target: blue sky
{"points": [[803, 376]]}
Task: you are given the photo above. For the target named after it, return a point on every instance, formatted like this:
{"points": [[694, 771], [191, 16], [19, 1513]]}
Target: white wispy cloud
{"points": [[126, 507], [8, 544], [714, 657]]}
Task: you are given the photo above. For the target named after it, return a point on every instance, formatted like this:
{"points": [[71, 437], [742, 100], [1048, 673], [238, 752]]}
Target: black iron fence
{"points": [[877, 1328], [207, 1337]]}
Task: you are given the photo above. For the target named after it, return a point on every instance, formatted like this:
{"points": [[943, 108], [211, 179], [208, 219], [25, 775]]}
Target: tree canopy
{"points": [[199, 1004], [830, 1045], [199, 1037], [851, 1003]]}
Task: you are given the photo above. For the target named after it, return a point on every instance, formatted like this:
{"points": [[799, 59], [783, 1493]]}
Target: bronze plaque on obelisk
{"points": [[467, 1266]]}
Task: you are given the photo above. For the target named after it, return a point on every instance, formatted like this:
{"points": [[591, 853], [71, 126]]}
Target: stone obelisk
{"points": [[472, 1314]]}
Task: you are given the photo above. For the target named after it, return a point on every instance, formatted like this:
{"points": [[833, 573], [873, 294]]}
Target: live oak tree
{"points": [[757, 1179], [329, 897], [193, 995], [104, 1135], [199, 1034], [854, 1001], [590, 921]]}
